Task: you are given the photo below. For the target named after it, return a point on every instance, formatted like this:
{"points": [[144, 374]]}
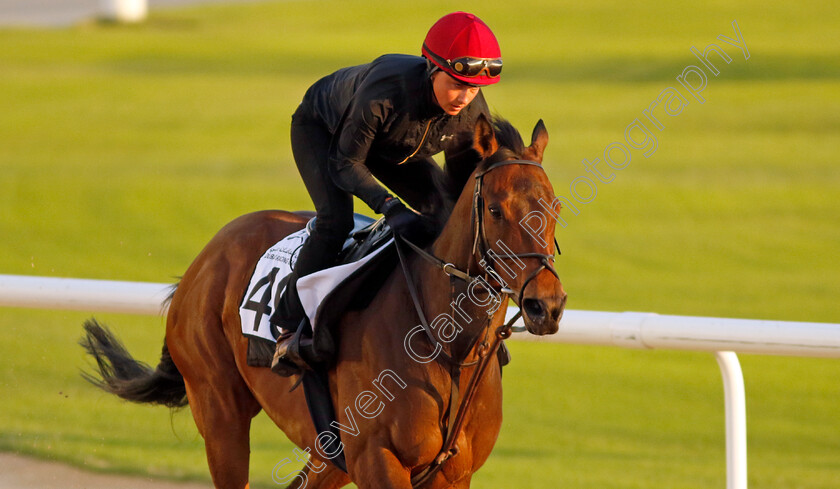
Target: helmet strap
{"points": [[431, 68]]}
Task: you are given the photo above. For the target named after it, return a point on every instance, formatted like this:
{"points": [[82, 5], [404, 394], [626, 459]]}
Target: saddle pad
{"points": [[266, 285], [315, 287], [270, 278]]}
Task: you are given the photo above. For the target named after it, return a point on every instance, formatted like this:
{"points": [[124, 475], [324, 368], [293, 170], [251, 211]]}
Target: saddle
{"points": [[335, 290], [353, 291], [367, 236]]}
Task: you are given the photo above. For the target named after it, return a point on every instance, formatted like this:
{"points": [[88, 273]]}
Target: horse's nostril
{"points": [[533, 308]]}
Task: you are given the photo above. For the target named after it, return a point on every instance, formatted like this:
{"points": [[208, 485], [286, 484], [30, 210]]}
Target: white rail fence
{"points": [[723, 337]]}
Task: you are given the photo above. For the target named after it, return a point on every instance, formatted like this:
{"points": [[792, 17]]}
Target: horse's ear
{"points": [[539, 140], [484, 140]]}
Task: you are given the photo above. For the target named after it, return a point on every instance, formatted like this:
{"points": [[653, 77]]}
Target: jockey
{"points": [[383, 120]]}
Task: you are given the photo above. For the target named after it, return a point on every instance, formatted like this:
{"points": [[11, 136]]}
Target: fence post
{"points": [[131, 11], [735, 406]]}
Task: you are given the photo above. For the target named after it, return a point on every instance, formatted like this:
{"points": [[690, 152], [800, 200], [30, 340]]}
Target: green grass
{"points": [[124, 149]]}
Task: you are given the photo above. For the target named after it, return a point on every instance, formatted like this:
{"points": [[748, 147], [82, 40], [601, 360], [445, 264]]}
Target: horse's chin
{"points": [[542, 328]]}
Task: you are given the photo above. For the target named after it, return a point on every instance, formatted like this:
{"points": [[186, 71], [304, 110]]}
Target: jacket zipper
{"points": [[422, 140]]}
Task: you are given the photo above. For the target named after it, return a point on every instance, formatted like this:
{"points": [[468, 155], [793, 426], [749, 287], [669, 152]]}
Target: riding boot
{"points": [[288, 357], [316, 254], [288, 310], [287, 317]]}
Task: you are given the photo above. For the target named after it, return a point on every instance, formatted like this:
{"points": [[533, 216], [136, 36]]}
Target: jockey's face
{"points": [[452, 95]]}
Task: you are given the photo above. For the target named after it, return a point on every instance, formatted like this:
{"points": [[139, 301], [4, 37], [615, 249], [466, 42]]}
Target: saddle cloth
{"points": [[368, 239]]}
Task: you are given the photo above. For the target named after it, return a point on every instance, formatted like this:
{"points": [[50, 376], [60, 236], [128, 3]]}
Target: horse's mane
{"points": [[508, 137], [462, 160]]}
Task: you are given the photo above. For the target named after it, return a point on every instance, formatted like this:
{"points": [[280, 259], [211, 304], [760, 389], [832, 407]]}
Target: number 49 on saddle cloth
{"points": [[322, 293]]}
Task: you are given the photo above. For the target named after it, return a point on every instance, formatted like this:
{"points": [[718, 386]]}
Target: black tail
{"points": [[126, 377]]}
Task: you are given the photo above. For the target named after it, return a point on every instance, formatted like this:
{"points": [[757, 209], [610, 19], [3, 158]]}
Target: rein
{"points": [[486, 351]]}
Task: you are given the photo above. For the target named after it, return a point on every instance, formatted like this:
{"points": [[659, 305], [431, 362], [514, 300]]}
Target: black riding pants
{"points": [[413, 181]]}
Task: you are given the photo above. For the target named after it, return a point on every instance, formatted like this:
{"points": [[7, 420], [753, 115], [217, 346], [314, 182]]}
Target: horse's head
{"points": [[510, 185]]}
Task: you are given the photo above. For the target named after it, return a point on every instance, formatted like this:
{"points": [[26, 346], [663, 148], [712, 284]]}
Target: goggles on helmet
{"points": [[469, 66]]}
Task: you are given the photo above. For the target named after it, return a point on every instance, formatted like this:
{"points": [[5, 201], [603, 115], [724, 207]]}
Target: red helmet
{"points": [[463, 46]]}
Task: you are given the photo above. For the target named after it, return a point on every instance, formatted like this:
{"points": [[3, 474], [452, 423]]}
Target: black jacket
{"points": [[383, 112]]}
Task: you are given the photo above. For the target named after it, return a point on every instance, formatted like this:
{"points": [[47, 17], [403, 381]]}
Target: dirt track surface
{"points": [[18, 472]]}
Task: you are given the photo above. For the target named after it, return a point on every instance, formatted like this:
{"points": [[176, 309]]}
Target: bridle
{"points": [[486, 253], [486, 351], [480, 240]]}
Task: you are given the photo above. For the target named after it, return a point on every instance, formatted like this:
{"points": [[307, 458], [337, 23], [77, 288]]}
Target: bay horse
{"points": [[392, 389]]}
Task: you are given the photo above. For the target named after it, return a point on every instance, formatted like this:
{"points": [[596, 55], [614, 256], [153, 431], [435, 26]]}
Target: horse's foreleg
{"points": [[380, 469], [328, 477]]}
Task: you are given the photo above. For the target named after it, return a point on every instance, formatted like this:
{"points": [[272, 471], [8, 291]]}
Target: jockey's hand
{"points": [[405, 222]]}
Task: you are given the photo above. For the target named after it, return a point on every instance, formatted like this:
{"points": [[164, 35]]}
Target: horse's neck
{"points": [[454, 245], [447, 300]]}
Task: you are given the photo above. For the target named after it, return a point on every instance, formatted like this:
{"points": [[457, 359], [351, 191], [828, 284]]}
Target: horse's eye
{"points": [[495, 211]]}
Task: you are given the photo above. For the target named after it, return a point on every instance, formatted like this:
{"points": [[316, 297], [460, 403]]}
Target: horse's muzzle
{"points": [[542, 314]]}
